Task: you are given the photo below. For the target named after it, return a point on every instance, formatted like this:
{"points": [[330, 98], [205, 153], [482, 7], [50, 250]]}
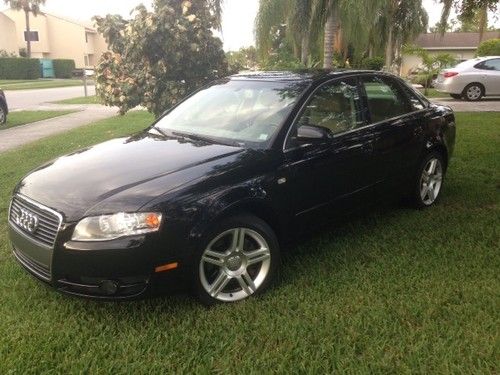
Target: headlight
{"points": [[109, 227]]}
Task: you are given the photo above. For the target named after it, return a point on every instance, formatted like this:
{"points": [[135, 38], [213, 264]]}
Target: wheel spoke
{"points": [[431, 194], [432, 167], [246, 283], [424, 191], [219, 284], [213, 257], [238, 240], [257, 256]]}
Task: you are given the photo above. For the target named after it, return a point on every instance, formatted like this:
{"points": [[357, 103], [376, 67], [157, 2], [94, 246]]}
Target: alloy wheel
{"points": [[2, 115], [235, 264], [431, 181]]}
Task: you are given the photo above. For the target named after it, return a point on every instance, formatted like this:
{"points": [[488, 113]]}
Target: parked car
{"points": [[4, 109], [472, 79], [208, 193]]}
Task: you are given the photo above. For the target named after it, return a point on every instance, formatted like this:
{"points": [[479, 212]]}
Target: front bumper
{"points": [[114, 270]]}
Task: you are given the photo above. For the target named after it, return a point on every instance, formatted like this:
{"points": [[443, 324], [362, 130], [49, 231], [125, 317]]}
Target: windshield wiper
{"points": [[194, 137], [160, 131]]}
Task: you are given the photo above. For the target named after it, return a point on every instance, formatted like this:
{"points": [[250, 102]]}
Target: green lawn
{"points": [[25, 117], [92, 99], [433, 93], [39, 84], [395, 291]]}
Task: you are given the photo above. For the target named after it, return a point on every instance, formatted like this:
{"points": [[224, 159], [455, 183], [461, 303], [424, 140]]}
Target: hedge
{"points": [[373, 63], [19, 68], [489, 48], [63, 68]]}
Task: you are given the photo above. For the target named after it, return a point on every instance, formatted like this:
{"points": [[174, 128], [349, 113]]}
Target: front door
{"points": [[336, 171]]}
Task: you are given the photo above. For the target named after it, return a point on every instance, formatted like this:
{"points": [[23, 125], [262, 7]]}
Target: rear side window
{"points": [[493, 64], [385, 98]]}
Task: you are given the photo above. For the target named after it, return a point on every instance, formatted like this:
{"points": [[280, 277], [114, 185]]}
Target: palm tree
{"points": [[27, 6], [296, 14], [467, 9]]}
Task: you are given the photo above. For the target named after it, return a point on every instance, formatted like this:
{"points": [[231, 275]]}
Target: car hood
{"points": [[122, 174]]}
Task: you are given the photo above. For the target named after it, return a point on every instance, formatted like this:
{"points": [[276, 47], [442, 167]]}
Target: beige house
{"points": [[53, 37], [461, 45]]}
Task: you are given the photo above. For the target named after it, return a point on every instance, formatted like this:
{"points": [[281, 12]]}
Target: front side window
{"points": [[385, 98], [237, 112], [335, 106], [415, 102]]}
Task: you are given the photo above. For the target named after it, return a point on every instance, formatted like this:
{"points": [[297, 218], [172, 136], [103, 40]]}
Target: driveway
{"points": [[32, 99], [485, 105]]}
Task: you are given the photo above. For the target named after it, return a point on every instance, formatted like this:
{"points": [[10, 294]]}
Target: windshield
{"points": [[236, 112]]}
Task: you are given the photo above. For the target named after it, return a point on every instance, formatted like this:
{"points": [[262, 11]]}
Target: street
{"points": [[32, 99]]}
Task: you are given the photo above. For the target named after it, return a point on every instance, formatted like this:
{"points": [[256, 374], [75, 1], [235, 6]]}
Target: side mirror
{"points": [[312, 134]]}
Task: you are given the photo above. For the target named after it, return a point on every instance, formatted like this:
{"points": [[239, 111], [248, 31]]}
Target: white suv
{"points": [[471, 79]]}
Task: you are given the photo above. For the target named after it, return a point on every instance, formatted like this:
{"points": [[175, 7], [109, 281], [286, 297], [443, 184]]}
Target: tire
{"points": [[229, 269], [456, 96], [3, 115], [430, 172], [473, 92]]}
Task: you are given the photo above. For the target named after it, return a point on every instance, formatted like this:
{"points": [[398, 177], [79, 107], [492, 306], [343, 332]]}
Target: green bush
{"points": [[19, 68], [489, 48], [373, 63], [63, 68]]}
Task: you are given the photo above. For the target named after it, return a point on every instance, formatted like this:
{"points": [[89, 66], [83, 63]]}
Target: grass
{"points": [[39, 84], [91, 99], [395, 291], [433, 93], [25, 117]]}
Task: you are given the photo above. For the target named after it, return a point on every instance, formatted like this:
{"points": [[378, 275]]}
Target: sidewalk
{"points": [[21, 135]]}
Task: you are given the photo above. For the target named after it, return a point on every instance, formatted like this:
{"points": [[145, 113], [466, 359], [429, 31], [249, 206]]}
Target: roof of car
{"points": [[299, 75]]}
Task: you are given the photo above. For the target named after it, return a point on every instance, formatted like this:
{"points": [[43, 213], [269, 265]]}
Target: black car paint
{"points": [[195, 183]]}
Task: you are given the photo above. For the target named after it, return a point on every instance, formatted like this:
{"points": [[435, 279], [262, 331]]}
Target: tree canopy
{"points": [[159, 57]]}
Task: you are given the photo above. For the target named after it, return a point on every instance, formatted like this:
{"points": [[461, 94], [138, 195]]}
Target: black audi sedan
{"points": [[206, 196], [4, 109]]}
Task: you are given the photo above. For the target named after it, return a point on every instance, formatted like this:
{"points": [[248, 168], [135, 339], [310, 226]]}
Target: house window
{"points": [[86, 38], [33, 36], [86, 60]]}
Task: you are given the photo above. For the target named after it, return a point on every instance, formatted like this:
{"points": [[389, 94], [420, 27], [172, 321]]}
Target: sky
{"points": [[237, 23]]}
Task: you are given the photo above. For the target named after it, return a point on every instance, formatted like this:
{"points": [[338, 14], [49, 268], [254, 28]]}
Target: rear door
{"points": [[490, 70], [397, 127]]}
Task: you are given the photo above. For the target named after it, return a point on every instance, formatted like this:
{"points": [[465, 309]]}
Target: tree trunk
{"points": [[28, 36], [389, 49], [370, 51], [483, 21], [330, 35], [304, 49]]}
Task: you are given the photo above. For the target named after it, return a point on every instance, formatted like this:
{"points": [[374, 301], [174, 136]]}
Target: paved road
{"points": [[32, 99], [485, 105], [21, 135]]}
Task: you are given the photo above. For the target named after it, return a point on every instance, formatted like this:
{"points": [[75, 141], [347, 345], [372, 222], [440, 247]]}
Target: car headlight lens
{"points": [[109, 227]]}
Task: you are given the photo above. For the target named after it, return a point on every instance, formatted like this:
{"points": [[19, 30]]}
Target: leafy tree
{"points": [[243, 59], [159, 57], [28, 6], [432, 63], [489, 48]]}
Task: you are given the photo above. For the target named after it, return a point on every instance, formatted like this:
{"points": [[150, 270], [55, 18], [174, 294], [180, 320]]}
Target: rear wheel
{"points": [[429, 180], [473, 92], [240, 258], [456, 96]]}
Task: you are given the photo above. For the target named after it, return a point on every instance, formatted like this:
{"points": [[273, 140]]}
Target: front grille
{"points": [[38, 269], [48, 221]]}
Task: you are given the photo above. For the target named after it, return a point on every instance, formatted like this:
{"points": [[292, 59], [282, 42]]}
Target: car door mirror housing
{"points": [[312, 134]]}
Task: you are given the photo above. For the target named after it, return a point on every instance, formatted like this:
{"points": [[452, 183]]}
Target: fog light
{"points": [[109, 287]]}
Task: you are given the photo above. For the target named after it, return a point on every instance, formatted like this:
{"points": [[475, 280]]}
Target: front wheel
{"points": [[3, 115], [429, 180], [240, 258]]}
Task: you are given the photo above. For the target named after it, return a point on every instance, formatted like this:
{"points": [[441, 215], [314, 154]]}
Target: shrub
{"points": [[489, 48], [19, 68], [373, 63], [63, 68]]}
